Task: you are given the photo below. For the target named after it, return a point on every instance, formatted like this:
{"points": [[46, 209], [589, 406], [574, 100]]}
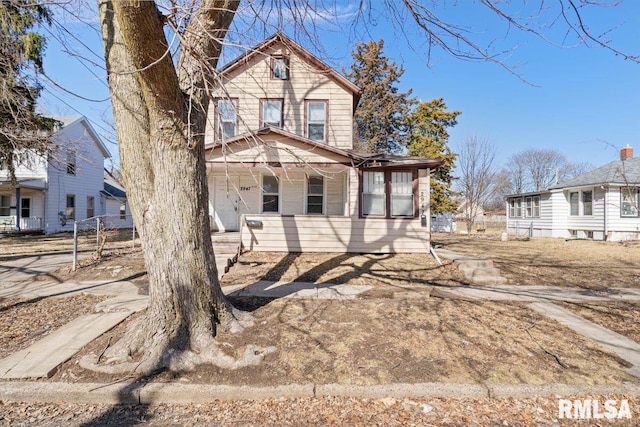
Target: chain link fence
{"points": [[102, 235]]}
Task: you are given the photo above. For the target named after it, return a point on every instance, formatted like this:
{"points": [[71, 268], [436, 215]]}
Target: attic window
{"points": [[279, 68], [71, 162]]}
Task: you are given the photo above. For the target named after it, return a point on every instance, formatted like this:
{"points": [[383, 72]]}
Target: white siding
{"points": [[87, 181]]}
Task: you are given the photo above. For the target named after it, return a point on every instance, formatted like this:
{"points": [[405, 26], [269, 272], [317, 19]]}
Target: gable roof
{"points": [[280, 38], [622, 172], [68, 121]]}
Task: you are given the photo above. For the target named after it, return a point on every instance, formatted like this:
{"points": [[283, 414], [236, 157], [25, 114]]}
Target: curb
{"points": [[172, 393]]}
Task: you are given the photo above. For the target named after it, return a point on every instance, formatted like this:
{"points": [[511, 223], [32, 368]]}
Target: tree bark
{"points": [[160, 118]]}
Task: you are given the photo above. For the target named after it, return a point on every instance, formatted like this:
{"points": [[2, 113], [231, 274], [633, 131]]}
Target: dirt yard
{"points": [[398, 331]]}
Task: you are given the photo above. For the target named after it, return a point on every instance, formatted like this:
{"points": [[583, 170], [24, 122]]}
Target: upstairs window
{"points": [[71, 162], [629, 205], [316, 113], [226, 118], [279, 68], [271, 112], [270, 194], [315, 195]]}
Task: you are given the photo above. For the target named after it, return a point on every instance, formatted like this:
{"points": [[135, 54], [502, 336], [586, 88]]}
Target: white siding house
{"points": [[56, 189], [282, 170], [602, 204]]}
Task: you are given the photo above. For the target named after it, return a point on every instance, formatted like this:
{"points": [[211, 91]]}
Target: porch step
{"points": [[477, 270], [226, 247]]}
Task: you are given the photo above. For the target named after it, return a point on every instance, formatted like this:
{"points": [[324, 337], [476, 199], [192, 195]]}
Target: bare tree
{"points": [[160, 93], [538, 169], [477, 176]]}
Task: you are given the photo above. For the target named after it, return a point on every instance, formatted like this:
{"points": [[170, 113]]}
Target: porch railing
{"points": [[8, 223]]}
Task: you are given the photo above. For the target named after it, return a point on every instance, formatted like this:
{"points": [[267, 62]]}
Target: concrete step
{"points": [[470, 271], [488, 279], [473, 262]]}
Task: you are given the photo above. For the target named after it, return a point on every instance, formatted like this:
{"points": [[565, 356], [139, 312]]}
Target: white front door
{"points": [[225, 203]]}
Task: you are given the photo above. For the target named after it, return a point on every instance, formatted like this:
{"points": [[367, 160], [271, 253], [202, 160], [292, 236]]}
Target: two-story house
{"points": [[65, 185], [282, 169]]}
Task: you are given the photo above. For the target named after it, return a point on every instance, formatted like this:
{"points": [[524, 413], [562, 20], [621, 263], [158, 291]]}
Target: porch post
{"points": [[18, 207]]}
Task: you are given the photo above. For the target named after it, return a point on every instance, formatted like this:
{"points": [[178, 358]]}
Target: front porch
{"points": [[27, 225]]}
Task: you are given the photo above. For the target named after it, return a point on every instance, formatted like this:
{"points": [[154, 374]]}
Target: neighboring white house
{"points": [[602, 204], [56, 189], [281, 167]]}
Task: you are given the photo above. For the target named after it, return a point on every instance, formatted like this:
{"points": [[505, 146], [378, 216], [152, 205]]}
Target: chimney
{"points": [[626, 153]]}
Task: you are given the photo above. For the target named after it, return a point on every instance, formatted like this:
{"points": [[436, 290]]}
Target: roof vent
{"points": [[626, 153]]}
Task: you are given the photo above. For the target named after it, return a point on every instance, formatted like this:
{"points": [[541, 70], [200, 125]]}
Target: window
{"points": [[315, 195], [279, 68], [71, 162], [226, 118], [587, 203], [25, 208], [71, 207], [90, 207], [515, 208], [270, 194], [373, 194], [402, 194], [533, 206], [123, 210], [316, 120], [271, 112], [388, 194], [629, 205], [5, 205], [573, 203]]}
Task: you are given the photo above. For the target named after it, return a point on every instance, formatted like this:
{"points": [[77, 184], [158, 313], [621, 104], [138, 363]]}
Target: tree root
{"points": [[178, 361]]}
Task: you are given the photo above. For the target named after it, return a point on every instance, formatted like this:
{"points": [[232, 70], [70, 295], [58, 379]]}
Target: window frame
{"points": [[123, 210], [264, 101], [574, 203], [532, 206], [388, 193], [634, 202], [5, 208], [219, 123], [72, 162], [263, 194], [515, 207], [275, 59], [91, 207], [307, 118], [584, 203], [309, 194], [70, 208]]}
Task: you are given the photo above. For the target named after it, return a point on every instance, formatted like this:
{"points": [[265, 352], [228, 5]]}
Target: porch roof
{"points": [[30, 183], [355, 159]]}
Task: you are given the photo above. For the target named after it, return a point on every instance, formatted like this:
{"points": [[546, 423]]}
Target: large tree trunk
{"points": [[160, 121]]}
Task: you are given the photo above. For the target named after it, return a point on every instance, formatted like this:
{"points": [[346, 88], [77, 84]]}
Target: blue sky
{"points": [[582, 101]]}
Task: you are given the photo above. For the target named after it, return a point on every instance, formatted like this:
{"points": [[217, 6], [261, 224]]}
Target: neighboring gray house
{"points": [[56, 189], [601, 204]]}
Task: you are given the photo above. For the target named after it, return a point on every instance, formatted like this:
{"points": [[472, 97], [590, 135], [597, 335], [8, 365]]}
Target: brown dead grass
{"points": [[397, 332], [554, 262]]}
